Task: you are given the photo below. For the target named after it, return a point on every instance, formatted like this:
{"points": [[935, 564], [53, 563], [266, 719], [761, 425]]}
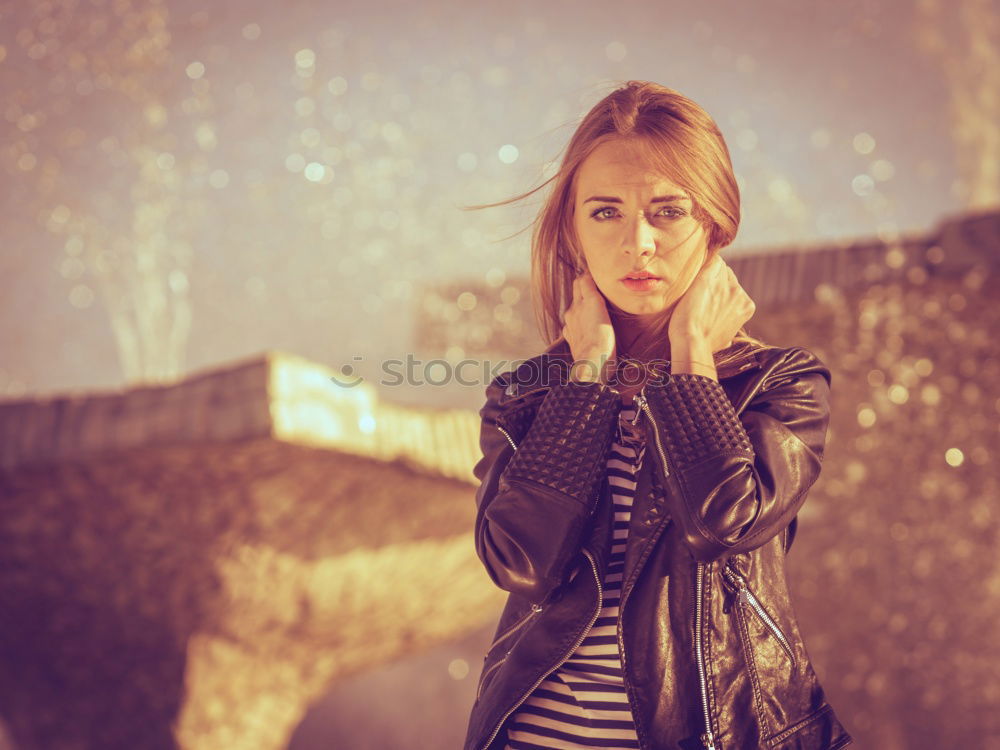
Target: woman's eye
{"points": [[609, 212], [677, 213]]}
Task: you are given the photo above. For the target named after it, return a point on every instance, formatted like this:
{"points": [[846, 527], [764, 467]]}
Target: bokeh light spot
{"points": [[305, 106], [366, 423], [863, 185], [863, 143], [466, 301], [895, 258], [392, 132], [305, 58], [882, 170], [458, 669], [508, 153], [26, 162], [314, 171], [510, 295], [495, 277], [780, 190], [81, 296]]}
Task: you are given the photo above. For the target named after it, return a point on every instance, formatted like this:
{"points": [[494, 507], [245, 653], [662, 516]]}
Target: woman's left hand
{"points": [[713, 308]]}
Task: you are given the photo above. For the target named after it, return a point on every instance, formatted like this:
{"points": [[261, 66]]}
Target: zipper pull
{"points": [[742, 592], [639, 401], [743, 597], [708, 741]]}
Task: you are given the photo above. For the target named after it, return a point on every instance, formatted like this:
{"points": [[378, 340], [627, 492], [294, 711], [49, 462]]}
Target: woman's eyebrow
{"points": [[657, 199]]}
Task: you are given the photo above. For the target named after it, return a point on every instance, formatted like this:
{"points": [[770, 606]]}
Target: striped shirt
{"points": [[583, 704]]}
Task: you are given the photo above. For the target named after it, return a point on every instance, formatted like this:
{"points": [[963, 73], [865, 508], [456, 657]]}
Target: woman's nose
{"points": [[640, 236]]}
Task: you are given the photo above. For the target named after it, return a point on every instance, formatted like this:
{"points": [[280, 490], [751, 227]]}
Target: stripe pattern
{"points": [[583, 703]]}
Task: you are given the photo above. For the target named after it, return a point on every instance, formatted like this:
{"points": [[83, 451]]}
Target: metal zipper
{"points": [[515, 399], [707, 737], [746, 598], [507, 435], [535, 609], [640, 399], [583, 635], [482, 677]]}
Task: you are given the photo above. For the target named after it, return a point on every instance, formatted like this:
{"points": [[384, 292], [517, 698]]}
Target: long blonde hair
{"points": [[682, 142]]}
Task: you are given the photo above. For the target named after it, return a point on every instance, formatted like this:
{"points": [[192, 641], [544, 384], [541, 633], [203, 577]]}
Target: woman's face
{"points": [[630, 220]]}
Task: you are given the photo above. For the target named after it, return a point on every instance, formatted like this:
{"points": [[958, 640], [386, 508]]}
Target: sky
{"points": [[192, 184]]}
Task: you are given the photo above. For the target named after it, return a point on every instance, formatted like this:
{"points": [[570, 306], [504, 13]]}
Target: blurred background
{"points": [[210, 210]]}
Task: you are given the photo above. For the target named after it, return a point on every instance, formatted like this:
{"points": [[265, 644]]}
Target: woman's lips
{"points": [[642, 285]]}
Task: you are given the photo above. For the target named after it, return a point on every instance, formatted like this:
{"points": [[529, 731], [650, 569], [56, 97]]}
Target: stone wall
{"points": [[276, 395], [197, 576]]}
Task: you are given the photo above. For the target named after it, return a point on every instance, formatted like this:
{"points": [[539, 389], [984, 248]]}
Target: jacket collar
{"points": [[553, 365]]}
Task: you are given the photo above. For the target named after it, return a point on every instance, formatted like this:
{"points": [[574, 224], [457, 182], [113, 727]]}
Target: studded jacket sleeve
{"points": [[738, 480], [536, 495]]}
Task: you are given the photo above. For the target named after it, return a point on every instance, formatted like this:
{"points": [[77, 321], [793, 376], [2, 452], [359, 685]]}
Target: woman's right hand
{"points": [[588, 330]]}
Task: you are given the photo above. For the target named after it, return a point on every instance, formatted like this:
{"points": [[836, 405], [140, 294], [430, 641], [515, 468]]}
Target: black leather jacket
{"points": [[711, 650]]}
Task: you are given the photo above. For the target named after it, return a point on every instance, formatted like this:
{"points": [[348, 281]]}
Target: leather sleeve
{"points": [[533, 503], [741, 479]]}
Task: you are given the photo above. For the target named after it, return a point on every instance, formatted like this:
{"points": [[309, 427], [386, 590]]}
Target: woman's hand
{"points": [[588, 330], [708, 315]]}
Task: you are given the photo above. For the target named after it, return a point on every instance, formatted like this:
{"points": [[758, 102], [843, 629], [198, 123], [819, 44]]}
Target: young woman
{"points": [[640, 479]]}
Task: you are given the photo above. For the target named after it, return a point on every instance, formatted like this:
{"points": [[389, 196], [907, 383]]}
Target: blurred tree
{"points": [[97, 133], [971, 65]]}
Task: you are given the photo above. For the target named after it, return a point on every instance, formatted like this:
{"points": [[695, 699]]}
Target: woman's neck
{"points": [[638, 338]]}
